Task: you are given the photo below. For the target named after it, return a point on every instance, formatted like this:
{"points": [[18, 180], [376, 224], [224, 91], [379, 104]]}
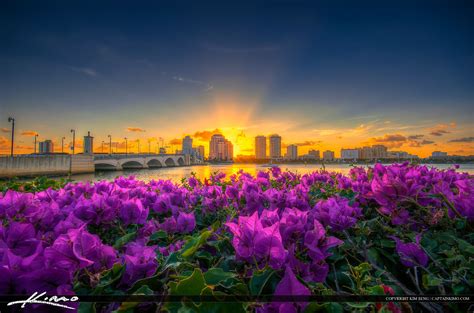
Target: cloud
{"points": [[414, 143], [29, 133], [390, 138], [176, 141], [465, 139], [207, 86], [85, 70], [415, 137], [308, 143], [135, 129], [5, 130], [206, 135], [439, 132]]}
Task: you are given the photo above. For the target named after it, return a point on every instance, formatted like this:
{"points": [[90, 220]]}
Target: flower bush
{"points": [[400, 229]]}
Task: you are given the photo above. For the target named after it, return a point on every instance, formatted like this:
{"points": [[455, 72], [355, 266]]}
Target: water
{"points": [[204, 171]]}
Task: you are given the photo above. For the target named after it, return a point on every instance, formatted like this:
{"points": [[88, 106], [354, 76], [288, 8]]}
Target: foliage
{"points": [[400, 229]]}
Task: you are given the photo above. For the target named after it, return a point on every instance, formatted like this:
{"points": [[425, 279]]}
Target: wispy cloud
{"points": [[439, 132], [308, 143], [28, 133], [135, 129], [85, 70], [206, 86], [5, 130], [465, 139], [206, 135]]}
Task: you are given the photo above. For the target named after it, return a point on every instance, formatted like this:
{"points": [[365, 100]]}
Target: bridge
{"points": [[138, 161]]}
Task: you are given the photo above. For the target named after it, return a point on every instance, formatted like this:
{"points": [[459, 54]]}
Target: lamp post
{"points": [[102, 146], [138, 141], [110, 144], [11, 119], [73, 131], [126, 146], [149, 146], [62, 144], [36, 136]]}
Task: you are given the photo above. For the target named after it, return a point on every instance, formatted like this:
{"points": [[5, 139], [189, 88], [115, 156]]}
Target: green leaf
{"points": [[128, 307], [194, 243], [259, 280], [192, 285], [86, 307], [159, 235], [215, 276], [124, 239]]}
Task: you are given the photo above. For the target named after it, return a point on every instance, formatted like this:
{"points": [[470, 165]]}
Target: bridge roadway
{"points": [[137, 161]]}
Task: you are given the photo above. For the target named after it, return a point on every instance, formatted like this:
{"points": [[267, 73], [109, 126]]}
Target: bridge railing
{"points": [[131, 156]]}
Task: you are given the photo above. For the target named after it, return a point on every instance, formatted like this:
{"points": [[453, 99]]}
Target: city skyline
{"points": [[323, 76]]}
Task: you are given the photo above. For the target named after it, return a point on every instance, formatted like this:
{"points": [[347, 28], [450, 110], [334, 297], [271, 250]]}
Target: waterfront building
{"points": [[350, 154], [379, 152], [46, 147], [220, 149], [200, 150], [260, 147], [187, 145], [401, 155], [275, 146], [439, 154], [88, 144], [328, 155], [292, 152], [315, 154]]}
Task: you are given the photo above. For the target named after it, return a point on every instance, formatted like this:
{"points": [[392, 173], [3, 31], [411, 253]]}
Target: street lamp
{"points": [[36, 136], [126, 146], [62, 144], [73, 131], [11, 119], [110, 144], [102, 146]]}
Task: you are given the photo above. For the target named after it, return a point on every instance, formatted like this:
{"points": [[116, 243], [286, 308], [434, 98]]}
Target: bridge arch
{"points": [[170, 162], [181, 161], [132, 164], [104, 166], [154, 163]]}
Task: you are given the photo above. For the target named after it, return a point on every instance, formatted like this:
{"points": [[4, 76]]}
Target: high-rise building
{"points": [[88, 144], [260, 147], [275, 146], [439, 154], [328, 155], [379, 151], [292, 152], [315, 154], [350, 154], [220, 149], [200, 150], [187, 146], [46, 147]]}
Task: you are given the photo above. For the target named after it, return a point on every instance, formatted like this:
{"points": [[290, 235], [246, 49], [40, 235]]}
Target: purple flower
{"points": [[140, 262], [336, 213], [318, 243], [411, 254], [133, 212], [186, 222]]}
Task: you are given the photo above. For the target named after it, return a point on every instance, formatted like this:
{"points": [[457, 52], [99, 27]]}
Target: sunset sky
{"points": [[323, 76]]}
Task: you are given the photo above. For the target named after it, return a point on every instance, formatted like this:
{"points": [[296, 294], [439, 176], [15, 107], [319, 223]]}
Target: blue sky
{"points": [[305, 68]]}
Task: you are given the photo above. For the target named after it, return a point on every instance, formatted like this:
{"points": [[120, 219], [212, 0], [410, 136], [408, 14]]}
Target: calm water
{"points": [[204, 171]]}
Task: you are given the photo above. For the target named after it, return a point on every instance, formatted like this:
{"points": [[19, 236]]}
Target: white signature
{"points": [[37, 298]]}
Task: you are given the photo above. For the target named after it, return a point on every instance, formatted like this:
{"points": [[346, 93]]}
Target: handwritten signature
{"points": [[38, 298]]}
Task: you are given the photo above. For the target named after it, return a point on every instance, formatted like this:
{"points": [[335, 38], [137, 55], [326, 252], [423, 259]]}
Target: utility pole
{"points": [[36, 136], [62, 144], [126, 146], [73, 131], [12, 120]]}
